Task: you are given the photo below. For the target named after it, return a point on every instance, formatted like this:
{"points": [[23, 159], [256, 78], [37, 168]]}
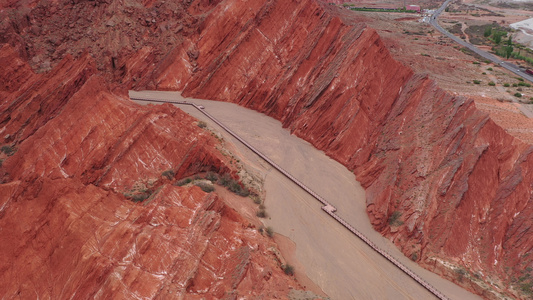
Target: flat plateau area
{"points": [[342, 265]]}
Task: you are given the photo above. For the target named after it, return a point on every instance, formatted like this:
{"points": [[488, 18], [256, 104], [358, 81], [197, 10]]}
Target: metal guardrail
{"points": [[328, 207]]}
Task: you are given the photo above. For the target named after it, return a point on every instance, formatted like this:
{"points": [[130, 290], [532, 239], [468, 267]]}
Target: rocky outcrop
{"points": [[69, 239], [75, 152], [443, 181]]}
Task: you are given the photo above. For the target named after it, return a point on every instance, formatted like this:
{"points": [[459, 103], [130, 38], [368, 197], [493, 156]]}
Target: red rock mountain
{"points": [[444, 182], [72, 151], [447, 184]]}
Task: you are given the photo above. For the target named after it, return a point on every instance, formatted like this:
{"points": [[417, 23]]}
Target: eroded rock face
{"points": [[443, 181], [69, 239], [73, 150]]}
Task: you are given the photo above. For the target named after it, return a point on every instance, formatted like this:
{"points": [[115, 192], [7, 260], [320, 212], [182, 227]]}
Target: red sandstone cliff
{"points": [[444, 182], [72, 150]]}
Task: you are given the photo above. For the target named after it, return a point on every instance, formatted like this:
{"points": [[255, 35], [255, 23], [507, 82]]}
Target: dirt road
{"points": [[342, 265]]}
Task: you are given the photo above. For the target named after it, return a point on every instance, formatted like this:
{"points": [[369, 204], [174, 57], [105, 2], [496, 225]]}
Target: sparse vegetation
{"points": [[183, 182], [527, 288], [140, 197], [288, 269], [256, 199], [477, 81], [414, 256], [233, 185], [394, 219], [492, 83], [205, 186], [168, 174], [202, 124], [488, 31], [8, 150], [213, 177], [261, 213], [269, 231], [489, 69], [460, 272], [506, 85]]}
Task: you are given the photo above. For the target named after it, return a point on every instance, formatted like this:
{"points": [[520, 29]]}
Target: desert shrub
{"points": [[506, 85], [488, 31], [518, 95], [8, 150], [233, 185], [476, 63], [256, 199], [206, 187], [492, 83], [183, 182], [213, 177], [261, 213], [224, 180], [489, 69], [140, 197], [515, 85], [460, 273], [169, 174], [269, 231], [414, 256], [202, 124], [288, 269], [236, 188], [394, 219], [477, 82], [527, 288]]}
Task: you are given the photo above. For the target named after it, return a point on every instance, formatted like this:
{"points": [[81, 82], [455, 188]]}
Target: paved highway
{"points": [[507, 65]]}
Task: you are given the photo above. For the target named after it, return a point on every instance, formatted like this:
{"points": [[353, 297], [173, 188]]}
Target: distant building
{"points": [[413, 7]]}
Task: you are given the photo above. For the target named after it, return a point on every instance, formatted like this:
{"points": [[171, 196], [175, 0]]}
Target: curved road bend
{"points": [[507, 65], [327, 207]]}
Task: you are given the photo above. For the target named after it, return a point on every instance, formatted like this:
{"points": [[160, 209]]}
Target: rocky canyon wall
{"points": [[75, 152], [444, 182]]}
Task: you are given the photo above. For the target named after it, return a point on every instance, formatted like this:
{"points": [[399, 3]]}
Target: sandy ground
{"points": [[337, 261]]}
